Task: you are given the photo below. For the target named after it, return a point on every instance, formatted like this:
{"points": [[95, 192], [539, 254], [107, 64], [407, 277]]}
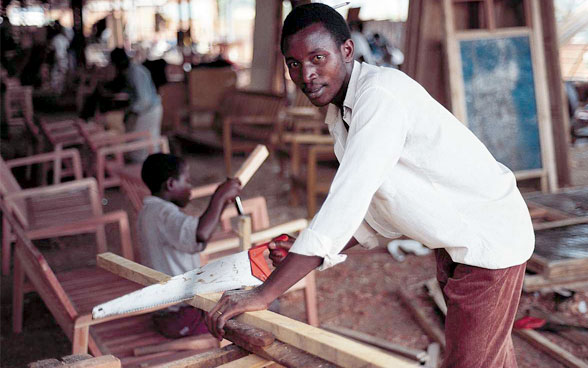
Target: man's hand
{"points": [[228, 190], [231, 304], [277, 243]]}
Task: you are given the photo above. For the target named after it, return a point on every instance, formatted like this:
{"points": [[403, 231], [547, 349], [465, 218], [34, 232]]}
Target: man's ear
{"points": [[348, 49]]}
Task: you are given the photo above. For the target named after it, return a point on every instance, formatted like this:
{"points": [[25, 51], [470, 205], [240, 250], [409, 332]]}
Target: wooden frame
{"points": [[547, 173], [329, 346]]}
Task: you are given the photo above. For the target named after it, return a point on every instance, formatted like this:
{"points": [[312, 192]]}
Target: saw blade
{"points": [[227, 273]]}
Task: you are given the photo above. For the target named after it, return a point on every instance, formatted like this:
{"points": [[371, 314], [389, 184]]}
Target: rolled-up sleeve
{"points": [[179, 230], [374, 144]]}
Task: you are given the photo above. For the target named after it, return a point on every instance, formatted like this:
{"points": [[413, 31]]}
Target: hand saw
{"points": [[239, 270]]}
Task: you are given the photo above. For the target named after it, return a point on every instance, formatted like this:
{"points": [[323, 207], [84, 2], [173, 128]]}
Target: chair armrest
{"points": [[118, 139], [304, 138], [119, 217], [252, 120], [56, 157], [134, 146], [89, 183]]}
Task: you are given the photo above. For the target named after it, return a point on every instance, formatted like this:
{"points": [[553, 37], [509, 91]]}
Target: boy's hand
{"points": [[276, 247], [229, 190]]}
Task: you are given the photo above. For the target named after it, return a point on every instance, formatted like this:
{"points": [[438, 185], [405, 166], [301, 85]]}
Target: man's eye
{"points": [[319, 57], [293, 64]]}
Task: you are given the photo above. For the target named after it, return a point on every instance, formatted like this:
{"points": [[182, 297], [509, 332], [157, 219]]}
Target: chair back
{"points": [[207, 86], [40, 274], [241, 103]]}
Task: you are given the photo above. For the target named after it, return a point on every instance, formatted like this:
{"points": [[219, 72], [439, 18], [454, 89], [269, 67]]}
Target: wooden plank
{"points": [[249, 361], [212, 358], [555, 351], [251, 164], [419, 315], [104, 361], [199, 342], [558, 99], [541, 90], [434, 358], [539, 282], [435, 292], [560, 223], [414, 354], [328, 346]]}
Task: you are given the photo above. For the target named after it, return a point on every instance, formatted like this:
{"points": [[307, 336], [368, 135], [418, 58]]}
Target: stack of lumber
{"points": [[560, 258]]}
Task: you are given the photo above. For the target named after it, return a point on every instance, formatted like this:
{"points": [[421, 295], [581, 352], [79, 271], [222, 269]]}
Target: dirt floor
{"points": [[360, 294]]}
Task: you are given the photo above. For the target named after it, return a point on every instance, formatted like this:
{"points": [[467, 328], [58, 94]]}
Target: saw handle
{"points": [[259, 267]]}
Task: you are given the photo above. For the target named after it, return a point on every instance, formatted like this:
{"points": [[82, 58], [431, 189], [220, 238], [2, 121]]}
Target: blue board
{"points": [[499, 89]]}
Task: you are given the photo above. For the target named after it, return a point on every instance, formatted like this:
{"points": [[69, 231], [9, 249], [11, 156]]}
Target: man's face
{"points": [[319, 67], [180, 188]]}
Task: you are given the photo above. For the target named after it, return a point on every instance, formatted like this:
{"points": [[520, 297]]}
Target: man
{"points": [[145, 110], [407, 167]]}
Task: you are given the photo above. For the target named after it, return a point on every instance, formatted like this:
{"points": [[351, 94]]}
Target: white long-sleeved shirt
{"points": [[168, 237], [408, 166]]}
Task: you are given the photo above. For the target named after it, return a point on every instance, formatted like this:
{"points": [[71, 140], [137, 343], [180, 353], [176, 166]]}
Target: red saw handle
{"points": [[259, 267]]}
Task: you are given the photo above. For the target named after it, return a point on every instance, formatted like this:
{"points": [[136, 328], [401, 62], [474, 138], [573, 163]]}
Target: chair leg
{"points": [[80, 340], [17, 296], [101, 246], [6, 250], [310, 300]]}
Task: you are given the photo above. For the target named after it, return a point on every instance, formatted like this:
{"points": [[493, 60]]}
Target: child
{"points": [[171, 240], [407, 166]]}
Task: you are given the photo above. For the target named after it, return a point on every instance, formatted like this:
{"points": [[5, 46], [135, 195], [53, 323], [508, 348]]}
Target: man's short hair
{"points": [[308, 14], [159, 167], [119, 58]]}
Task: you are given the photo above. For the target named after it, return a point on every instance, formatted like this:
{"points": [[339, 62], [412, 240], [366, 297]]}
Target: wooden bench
{"points": [[71, 295]]}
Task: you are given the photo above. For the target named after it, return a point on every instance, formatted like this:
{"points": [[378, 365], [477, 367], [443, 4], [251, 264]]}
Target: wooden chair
{"points": [[225, 240], [206, 89], [18, 114], [62, 133], [53, 210], [108, 149], [71, 295], [316, 177], [249, 118]]}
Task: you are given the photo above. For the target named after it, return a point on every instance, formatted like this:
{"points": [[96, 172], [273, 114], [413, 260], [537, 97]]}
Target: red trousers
{"points": [[481, 309]]}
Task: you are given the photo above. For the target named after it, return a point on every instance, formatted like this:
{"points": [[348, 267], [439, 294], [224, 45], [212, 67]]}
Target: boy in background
{"points": [[170, 239]]}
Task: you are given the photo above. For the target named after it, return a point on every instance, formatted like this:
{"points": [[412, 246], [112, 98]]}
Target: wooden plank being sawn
{"points": [[329, 346]]}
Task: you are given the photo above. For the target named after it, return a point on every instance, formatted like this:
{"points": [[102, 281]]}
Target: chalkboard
{"points": [[500, 100]]}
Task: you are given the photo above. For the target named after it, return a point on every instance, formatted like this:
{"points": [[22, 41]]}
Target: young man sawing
{"points": [[407, 167]]}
